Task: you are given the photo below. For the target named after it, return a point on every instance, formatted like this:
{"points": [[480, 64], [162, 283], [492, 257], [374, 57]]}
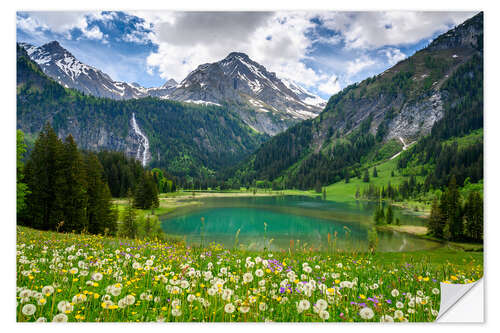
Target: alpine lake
{"points": [[290, 222]]}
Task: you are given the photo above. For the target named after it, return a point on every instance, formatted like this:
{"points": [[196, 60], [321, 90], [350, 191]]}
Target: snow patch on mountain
{"points": [[201, 102], [234, 81], [61, 65], [304, 95]]}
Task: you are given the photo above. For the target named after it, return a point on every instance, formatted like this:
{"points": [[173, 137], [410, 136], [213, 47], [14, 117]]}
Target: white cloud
{"points": [[394, 55], [376, 29], [357, 65], [93, 33], [29, 24], [276, 40], [176, 62], [330, 86], [283, 41], [64, 21], [288, 43]]}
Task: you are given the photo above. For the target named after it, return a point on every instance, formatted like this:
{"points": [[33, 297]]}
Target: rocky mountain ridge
{"points": [[404, 101], [188, 140], [265, 102]]}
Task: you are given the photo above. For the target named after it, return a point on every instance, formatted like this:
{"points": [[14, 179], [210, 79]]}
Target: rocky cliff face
{"points": [[408, 96], [465, 35], [185, 139], [416, 119], [266, 103], [402, 103]]}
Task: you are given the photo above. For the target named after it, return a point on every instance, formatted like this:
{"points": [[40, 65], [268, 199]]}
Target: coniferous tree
{"points": [[436, 221], [129, 222], [21, 187], [452, 209], [366, 176], [73, 187], [44, 177], [146, 193], [100, 215], [375, 174], [473, 214]]}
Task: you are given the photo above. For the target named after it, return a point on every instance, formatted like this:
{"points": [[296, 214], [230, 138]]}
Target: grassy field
{"points": [[467, 140], [345, 192], [71, 277]]}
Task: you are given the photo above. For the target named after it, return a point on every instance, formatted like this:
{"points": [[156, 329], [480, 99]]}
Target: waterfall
{"points": [[143, 150]]}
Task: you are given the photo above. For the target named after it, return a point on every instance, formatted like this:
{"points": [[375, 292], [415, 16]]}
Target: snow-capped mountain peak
{"points": [[240, 82], [62, 66], [266, 102]]}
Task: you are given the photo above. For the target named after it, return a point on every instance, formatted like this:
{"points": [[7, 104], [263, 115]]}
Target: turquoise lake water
{"points": [[277, 223]]}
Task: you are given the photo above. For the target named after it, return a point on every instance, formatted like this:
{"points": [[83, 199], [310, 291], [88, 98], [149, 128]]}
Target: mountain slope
{"points": [[62, 66], [265, 102], [185, 139], [367, 121], [262, 99]]}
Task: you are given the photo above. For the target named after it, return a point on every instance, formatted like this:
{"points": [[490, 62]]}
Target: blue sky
{"points": [[322, 51]]}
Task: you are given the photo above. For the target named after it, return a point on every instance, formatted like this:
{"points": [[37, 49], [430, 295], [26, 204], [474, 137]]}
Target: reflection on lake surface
{"points": [[290, 220]]}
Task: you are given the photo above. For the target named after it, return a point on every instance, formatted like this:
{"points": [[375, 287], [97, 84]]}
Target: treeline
{"points": [[190, 142], [67, 190], [409, 188], [64, 189], [123, 173], [324, 167], [333, 165], [454, 219]]}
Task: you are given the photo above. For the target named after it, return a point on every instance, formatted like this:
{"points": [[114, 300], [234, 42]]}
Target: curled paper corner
{"points": [[452, 296]]}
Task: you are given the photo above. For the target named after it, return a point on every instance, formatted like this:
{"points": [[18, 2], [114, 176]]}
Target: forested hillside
{"points": [[428, 98], [186, 140]]}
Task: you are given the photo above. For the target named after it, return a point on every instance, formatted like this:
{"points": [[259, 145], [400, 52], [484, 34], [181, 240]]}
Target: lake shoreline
{"points": [[170, 202], [414, 230]]}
